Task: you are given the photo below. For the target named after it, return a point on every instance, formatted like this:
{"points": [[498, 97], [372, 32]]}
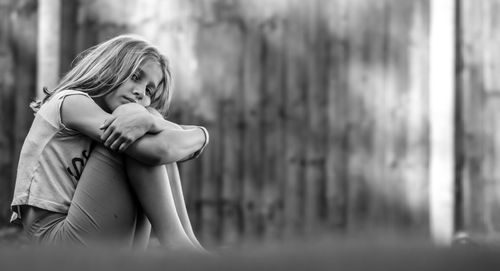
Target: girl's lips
{"points": [[130, 100]]}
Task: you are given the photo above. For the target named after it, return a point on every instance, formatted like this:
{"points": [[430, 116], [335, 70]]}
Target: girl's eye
{"points": [[135, 77], [149, 91]]}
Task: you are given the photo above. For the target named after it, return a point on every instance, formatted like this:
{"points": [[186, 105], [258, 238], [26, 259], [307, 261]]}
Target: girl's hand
{"points": [[129, 123]]}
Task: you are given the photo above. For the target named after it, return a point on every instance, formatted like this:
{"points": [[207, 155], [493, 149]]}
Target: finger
{"points": [[116, 144], [123, 146], [107, 133], [111, 139], [107, 122]]}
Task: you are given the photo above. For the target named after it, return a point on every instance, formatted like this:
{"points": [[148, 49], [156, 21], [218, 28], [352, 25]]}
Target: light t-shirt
{"points": [[52, 159]]}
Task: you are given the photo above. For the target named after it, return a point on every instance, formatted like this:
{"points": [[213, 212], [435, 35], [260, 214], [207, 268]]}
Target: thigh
{"points": [[103, 209]]}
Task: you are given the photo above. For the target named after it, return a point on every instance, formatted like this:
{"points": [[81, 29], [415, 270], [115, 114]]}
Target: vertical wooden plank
{"points": [[252, 141], [358, 199], [442, 98], [295, 112], [68, 41], [17, 54], [193, 183], [479, 121], [491, 67], [317, 38], [279, 91], [212, 161], [365, 205], [382, 182], [228, 172], [404, 123], [391, 109], [87, 31], [7, 94], [49, 45], [472, 122], [338, 129], [272, 126], [413, 169], [231, 139], [209, 213], [24, 47], [395, 103], [211, 187]]}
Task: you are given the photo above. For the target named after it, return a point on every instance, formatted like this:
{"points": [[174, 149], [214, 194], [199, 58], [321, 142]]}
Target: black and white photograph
{"points": [[249, 135]]}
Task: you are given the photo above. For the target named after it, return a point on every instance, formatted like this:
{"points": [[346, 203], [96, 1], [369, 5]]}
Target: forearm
{"points": [[167, 146]]}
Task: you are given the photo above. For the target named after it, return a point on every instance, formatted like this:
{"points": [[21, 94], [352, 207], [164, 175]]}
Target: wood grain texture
{"points": [[479, 120], [17, 83], [317, 110], [6, 110]]}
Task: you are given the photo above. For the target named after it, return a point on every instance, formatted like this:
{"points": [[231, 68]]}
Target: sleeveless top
{"points": [[51, 161]]}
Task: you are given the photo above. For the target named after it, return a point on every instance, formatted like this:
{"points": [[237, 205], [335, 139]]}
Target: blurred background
{"points": [[318, 110]]}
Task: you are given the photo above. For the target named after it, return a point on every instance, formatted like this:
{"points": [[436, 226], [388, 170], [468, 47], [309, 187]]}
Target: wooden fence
{"points": [[18, 20], [321, 124], [317, 110], [478, 119]]}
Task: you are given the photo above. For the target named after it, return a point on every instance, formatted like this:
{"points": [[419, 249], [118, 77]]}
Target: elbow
{"points": [[166, 157], [172, 154]]}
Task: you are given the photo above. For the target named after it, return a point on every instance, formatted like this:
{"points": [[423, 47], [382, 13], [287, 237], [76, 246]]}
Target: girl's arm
{"points": [[188, 142], [168, 145], [160, 123]]}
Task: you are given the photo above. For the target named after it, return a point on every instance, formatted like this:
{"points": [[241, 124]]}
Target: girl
{"points": [[99, 153]]}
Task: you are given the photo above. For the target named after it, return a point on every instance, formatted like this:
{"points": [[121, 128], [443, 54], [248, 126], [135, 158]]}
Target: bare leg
{"points": [[153, 189], [103, 210], [142, 230], [180, 204]]}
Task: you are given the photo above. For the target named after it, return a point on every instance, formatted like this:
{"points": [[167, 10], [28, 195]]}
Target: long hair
{"points": [[105, 67]]}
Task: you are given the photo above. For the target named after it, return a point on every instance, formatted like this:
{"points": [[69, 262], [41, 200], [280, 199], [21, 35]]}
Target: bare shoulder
{"points": [[77, 106]]}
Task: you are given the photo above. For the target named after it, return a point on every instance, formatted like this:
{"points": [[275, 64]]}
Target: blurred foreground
{"points": [[351, 253]]}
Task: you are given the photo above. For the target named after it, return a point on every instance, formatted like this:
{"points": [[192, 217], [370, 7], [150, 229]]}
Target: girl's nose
{"points": [[138, 93]]}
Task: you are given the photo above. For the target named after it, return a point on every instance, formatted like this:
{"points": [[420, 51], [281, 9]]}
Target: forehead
{"points": [[152, 72]]}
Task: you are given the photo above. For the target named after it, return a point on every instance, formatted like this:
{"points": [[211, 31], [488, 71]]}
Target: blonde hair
{"points": [[103, 68]]}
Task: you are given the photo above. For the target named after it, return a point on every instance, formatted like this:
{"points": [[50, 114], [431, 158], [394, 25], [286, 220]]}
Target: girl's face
{"points": [[139, 88]]}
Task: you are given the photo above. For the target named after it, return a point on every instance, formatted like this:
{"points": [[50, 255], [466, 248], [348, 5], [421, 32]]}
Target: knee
{"points": [[137, 170]]}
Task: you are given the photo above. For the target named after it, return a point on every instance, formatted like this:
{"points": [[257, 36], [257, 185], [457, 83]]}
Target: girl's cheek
{"points": [[146, 102]]}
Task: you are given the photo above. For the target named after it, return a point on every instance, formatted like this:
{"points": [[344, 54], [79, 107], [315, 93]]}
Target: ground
{"points": [[11, 236], [354, 253]]}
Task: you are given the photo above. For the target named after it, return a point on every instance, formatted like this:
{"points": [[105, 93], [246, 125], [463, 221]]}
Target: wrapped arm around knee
{"points": [[157, 142], [167, 146], [169, 142]]}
